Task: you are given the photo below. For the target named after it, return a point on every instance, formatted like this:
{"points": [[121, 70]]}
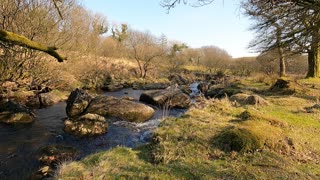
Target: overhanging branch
{"points": [[20, 40]]}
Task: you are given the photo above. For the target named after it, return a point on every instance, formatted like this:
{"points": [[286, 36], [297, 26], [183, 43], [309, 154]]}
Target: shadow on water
{"points": [[20, 145]]}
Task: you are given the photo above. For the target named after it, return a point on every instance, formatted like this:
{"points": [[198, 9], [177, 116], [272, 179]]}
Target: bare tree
{"points": [[214, 58], [176, 57], [268, 62], [144, 49], [169, 4]]}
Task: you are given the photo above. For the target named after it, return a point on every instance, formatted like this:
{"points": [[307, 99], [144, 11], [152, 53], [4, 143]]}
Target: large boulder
{"points": [[86, 125], [169, 98], [112, 87], [151, 86], [256, 100], [178, 79], [77, 102], [246, 99], [185, 89], [13, 113], [203, 87], [284, 87], [48, 99], [121, 108], [239, 98], [222, 92], [33, 101]]}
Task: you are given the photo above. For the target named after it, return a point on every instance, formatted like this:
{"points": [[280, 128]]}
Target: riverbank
{"points": [[223, 139]]}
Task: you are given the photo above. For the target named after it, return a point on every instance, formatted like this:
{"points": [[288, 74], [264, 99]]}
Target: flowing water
{"points": [[20, 145]]}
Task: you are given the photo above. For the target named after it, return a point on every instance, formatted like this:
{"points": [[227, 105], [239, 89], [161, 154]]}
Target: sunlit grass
{"points": [[195, 68]]}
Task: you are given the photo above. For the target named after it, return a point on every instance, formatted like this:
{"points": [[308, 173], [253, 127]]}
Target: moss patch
{"points": [[238, 139]]}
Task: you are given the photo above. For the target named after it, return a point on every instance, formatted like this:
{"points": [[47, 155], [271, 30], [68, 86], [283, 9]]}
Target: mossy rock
{"points": [[167, 98], [86, 125], [256, 100], [284, 87], [238, 139], [77, 102], [281, 84], [222, 92], [239, 98], [14, 113], [312, 109]]}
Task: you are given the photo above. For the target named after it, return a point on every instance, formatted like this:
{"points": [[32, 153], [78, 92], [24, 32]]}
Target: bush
{"points": [[238, 139]]}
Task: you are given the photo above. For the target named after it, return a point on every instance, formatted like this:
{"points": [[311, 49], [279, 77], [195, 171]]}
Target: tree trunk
{"points": [[313, 64], [145, 69], [140, 67], [282, 62], [314, 56]]}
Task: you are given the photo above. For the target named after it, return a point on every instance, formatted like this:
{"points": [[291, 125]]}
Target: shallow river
{"points": [[20, 145]]}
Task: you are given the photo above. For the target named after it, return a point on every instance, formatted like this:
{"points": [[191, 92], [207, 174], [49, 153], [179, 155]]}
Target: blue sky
{"points": [[220, 24]]}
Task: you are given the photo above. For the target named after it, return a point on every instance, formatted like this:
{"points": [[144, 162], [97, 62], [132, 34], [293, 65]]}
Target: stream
{"points": [[20, 145]]}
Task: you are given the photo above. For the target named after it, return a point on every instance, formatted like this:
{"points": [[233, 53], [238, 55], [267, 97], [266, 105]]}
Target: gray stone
{"points": [[12, 113], [77, 102], [86, 125], [123, 109], [169, 98], [48, 99]]}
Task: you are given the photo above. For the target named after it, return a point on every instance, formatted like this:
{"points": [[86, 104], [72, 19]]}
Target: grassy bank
{"points": [[220, 140]]}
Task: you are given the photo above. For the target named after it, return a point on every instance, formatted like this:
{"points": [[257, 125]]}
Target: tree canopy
{"points": [[293, 25]]}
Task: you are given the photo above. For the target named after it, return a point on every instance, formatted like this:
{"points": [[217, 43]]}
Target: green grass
{"points": [[277, 141]]}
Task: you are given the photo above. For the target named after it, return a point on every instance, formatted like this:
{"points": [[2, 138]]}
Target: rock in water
{"points": [[112, 87], [12, 113], [48, 99], [51, 157], [124, 109], [222, 92], [77, 102], [154, 86], [86, 125], [170, 98], [178, 79], [203, 87]]}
